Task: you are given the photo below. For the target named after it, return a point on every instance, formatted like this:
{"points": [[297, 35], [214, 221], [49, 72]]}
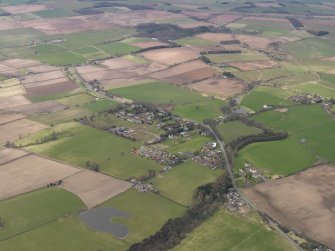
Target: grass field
{"points": [[310, 124], [266, 96], [282, 157], [225, 58], [37, 208], [207, 109], [76, 100], [112, 153], [193, 41], [71, 234], [53, 13], [158, 93], [180, 183], [315, 88], [227, 231], [328, 77], [19, 37], [101, 105], [191, 144], [118, 48], [235, 129]]}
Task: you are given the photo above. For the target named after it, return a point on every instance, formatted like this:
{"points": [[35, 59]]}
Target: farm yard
{"points": [[120, 120]]}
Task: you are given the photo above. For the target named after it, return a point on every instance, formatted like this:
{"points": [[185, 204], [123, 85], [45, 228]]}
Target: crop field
{"points": [[38, 108], [29, 173], [235, 129], [20, 216], [94, 188], [227, 231], [18, 128], [77, 149], [312, 126], [219, 87], [282, 157], [301, 208], [266, 96], [176, 185]]}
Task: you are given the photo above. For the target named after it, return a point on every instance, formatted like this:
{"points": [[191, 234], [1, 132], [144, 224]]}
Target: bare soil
{"points": [[37, 108], [24, 8], [94, 188], [304, 202]]}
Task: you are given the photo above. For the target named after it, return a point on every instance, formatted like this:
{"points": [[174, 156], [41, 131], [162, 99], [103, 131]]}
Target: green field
{"points": [[282, 157], [227, 231], [186, 145], [235, 129], [315, 88], [180, 183], [113, 153], [225, 58], [70, 234], [266, 96], [53, 13], [193, 41], [100, 106], [208, 109], [76, 100], [158, 93], [19, 37], [29, 211], [310, 124], [328, 77], [118, 48]]}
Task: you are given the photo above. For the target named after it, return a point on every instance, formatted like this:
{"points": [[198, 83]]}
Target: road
{"points": [[232, 177]]}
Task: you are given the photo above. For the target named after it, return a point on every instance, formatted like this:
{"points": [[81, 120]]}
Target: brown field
{"points": [[193, 24], [104, 21], [171, 56], [14, 130], [24, 8], [221, 87], [255, 65], [43, 77], [10, 154], [18, 67], [266, 5], [223, 19], [303, 202], [332, 59], [7, 102], [94, 188], [216, 37], [37, 108], [20, 63], [254, 41], [185, 73], [6, 117], [121, 82], [118, 63], [267, 19], [29, 173], [149, 44], [106, 75], [8, 25], [85, 69]]}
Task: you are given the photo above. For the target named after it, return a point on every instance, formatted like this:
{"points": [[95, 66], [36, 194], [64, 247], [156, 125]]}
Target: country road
{"points": [[232, 177]]}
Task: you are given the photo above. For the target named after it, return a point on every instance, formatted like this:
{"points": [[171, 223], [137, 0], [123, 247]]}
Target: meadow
{"points": [[179, 186], [228, 231], [113, 153], [225, 58], [233, 130], [186, 145]]}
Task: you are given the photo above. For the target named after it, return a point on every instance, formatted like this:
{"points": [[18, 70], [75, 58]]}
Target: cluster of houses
{"points": [[307, 99], [140, 186], [234, 202], [123, 132], [251, 173], [161, 157], [210, 155]]}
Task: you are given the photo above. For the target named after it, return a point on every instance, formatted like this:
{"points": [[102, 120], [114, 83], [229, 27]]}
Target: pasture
{"points": [[281, 157], [186, 145], [263, 95], [180, 183], [242, 57], [228, 231], [233, 130], [113, 153], [310, 124]]}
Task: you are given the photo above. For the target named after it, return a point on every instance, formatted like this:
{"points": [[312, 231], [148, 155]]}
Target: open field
{"points": [[185, 73], [6, 117], [227, 231], [14, 130], [77, 149], [31, 210], [94, 188], [233, 130], [188, 145], [242, 57], [29, 173], [218, 86], [255, 65], [310, 124], [9, 154], [266, 96], [177, 184], [170, 56], [142, 207], [38, 108], [315, 88], [24, 8], [12, 101], [308, 208]]}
